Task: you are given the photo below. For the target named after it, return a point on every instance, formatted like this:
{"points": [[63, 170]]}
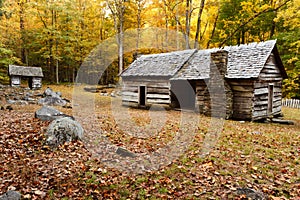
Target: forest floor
{"points": [[263, 157]]}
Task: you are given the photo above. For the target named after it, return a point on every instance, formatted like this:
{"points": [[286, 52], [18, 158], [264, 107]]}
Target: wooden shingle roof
{"points": [[247, 60], [197, 67], [244, 61], [14, 70], [164, 64]]}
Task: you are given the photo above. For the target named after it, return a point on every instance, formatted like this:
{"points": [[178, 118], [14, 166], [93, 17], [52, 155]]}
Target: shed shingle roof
{"points": [[244, 61], [25, 71]]}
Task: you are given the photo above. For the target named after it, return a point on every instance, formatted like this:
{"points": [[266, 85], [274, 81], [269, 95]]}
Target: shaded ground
{"points": [[264, 157]]}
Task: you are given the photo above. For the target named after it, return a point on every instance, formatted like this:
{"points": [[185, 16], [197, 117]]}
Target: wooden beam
{"points": [[158, 101], [242, 88], [131, 94], [158, 96]]}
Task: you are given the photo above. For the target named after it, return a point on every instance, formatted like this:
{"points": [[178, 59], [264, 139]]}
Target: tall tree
{"points": [[228, 19], [21, 4], [240, 20], [289, 46], [199, 18], [188, 13], [117, 8], [213, 29], [139, 7], [166, 24]]}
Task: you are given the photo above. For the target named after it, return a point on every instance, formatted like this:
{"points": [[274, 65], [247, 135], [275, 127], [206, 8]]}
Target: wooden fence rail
{"points": [[291, 103]]}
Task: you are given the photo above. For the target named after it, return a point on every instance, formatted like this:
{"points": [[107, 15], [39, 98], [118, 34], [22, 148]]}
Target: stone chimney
{"points": [[220, 59], [220, 91]]}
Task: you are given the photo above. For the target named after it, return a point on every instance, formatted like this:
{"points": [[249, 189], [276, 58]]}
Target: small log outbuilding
{"points": [[250, 75], [33, 74]]}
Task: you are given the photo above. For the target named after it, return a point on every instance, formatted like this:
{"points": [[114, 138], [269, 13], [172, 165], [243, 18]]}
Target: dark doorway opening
{"points": [[183, 94], [30, 82], [270, 99], [142, 95]]}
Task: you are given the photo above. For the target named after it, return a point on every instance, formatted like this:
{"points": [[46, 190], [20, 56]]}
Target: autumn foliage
{"points": [[258, 156], [59, 35]]}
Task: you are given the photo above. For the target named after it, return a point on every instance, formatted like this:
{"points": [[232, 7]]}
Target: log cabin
{"points": [[33, 74], [241, 82]]}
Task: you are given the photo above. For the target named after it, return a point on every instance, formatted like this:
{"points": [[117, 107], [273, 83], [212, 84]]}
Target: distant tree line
{"points": [[59, 34]]}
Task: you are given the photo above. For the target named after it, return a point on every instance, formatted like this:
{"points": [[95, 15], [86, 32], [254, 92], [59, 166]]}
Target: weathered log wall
{"points": [[258, 98], [35, 83], [243, 93], [15, 81], [202, 97], [157, 91], [267, 91]]}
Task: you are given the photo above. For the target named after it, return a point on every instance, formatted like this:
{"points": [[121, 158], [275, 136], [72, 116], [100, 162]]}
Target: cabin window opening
{"points": [[142, 95], [270, 98]]}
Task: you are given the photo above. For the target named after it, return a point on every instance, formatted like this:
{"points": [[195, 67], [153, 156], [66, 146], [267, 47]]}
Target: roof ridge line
{"points": [[186, 61], [270, 51]]}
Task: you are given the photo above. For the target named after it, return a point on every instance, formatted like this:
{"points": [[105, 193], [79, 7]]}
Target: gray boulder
{"points": [[52, 101], [251, 194], [11, 195], [47, 113], [63, 130], [52, 98], [48, 92], [58, 94], [125, 153], [17, 102]]}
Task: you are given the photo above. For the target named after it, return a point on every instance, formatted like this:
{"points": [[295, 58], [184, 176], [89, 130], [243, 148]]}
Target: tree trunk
{"points": [[22, 30], [187, 23], [213, 30], [203, 33], [56, 50], [121, 49], [165, 43], [73, 75], [51, 57], [177, 28], [101, 28], [118, 15], [139, 7], [57, 78], [198, 29], [272, 32], [243, 36]]}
